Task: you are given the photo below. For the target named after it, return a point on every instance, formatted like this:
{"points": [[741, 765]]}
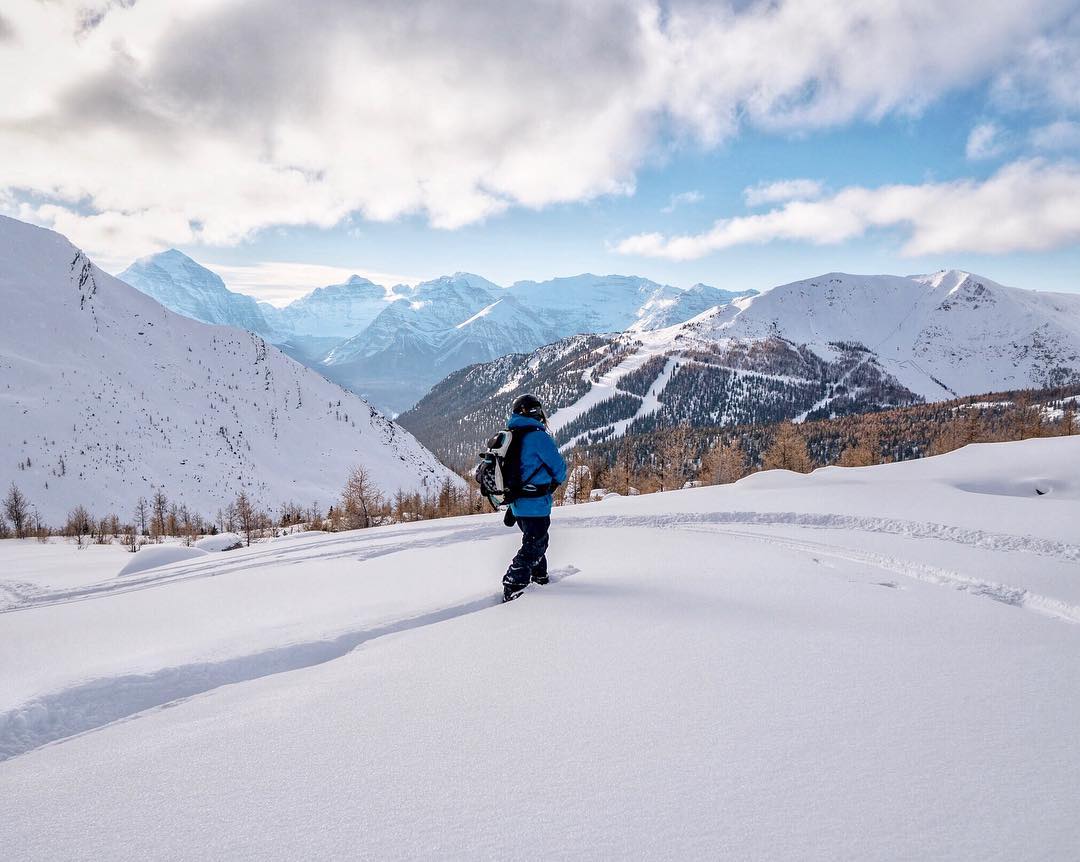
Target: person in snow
{"points": [[541, 463]]}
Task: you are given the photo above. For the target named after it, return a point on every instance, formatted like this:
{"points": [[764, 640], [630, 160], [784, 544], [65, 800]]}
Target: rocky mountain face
{"points": [[832, 345], [108, 395]]}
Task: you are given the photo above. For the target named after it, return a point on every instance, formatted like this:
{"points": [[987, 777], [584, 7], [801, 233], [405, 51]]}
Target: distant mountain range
{"points": [[107, 395], [392, 345], [825, 346]]}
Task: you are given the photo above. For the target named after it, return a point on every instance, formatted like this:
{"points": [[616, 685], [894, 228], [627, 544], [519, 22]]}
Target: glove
{"points": [[509, 518]]}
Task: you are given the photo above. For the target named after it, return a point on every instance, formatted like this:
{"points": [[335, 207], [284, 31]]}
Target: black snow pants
{"points": [[529, 562]]}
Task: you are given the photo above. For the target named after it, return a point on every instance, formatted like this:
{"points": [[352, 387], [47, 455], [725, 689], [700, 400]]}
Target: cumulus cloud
{"points": [[1061, 135], [683, 199], [156, 123], [1028, 205], [984, 142], [1047, 72], [782, 190]]}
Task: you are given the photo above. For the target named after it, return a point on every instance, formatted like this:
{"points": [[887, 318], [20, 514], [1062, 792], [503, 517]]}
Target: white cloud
{"points": [[280, 282], [782, 190], [1028, 205], [1061, 135], [683, 199], [156, 123], [984, 142], [1047, 72]]}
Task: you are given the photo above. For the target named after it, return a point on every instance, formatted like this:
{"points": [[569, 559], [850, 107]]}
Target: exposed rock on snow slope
{"points": [[106, 395], [816, 657], [826, 346], [188, 288]]}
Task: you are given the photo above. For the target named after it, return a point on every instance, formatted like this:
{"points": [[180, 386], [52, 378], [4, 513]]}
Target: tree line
{"points": [[670, 457], [663, 460]]}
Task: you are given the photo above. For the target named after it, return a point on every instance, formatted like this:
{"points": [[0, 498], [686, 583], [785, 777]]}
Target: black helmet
{"points": [[529, 405]]}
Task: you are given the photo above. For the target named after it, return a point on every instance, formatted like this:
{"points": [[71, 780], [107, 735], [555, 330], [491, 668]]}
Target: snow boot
{"points": [[511, 592], [540, 578]]}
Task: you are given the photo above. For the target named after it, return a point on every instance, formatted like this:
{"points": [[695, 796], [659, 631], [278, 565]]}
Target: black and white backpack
{"points": [[499, 471]]}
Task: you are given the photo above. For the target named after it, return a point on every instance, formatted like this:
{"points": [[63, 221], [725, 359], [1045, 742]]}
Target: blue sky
{"points": [[525, 141], [565, 239]]}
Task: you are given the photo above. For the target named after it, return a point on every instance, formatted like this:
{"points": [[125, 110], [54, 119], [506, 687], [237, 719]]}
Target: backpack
{"points": [[499, 471]]}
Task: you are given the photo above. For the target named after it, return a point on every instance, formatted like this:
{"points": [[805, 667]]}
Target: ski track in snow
{"points": [[365, 547], [346, 546], [97, 703], [1015, 596], [94, 704], [894, 526]]}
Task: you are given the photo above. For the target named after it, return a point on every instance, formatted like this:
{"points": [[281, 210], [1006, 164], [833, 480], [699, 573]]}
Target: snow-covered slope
{"points": [[188, 288], [424, 315], [873, 663], [947, 333], [590, 303], [614, 303], [105, 395], [335, 311], [663, 311]]}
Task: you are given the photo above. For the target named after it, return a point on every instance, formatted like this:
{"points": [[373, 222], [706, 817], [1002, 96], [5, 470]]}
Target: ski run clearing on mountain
{"points": [[865, 663]]}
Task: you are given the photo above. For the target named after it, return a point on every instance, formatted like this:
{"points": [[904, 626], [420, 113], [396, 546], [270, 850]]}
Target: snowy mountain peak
{"points": [[188, 288], [949, 279]]}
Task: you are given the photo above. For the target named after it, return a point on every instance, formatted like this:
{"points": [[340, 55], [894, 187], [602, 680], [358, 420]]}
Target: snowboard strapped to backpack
{"points": [[499, 470]]}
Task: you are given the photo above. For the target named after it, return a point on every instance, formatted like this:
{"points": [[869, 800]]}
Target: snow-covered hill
{"points": [[188, 288], [871, 663], [831, 345], [106, 395]]}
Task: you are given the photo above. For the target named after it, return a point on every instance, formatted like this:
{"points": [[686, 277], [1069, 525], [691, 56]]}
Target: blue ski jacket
{"points": [[538, 452]]}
